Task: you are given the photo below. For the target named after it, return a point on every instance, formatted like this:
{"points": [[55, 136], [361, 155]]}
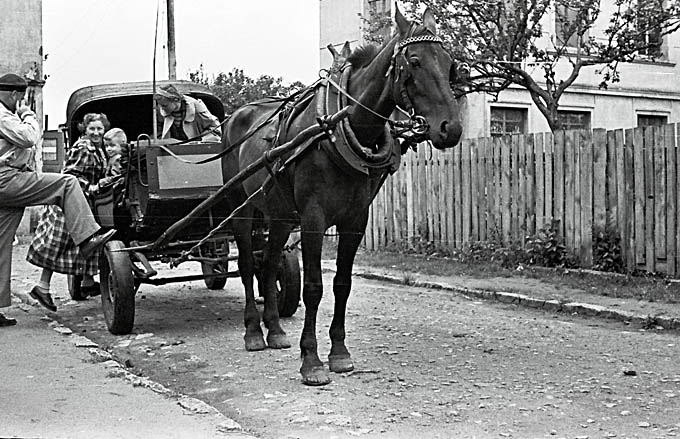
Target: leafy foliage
{"points": [[546, 248], [236, 88], [511, 42], [607, 250]]}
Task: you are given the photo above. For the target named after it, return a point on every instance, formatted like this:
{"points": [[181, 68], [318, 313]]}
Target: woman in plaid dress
{"points": [[52, 247]]}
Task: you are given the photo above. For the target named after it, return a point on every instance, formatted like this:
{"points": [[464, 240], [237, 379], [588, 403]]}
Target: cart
{"points": [[162, 185]]}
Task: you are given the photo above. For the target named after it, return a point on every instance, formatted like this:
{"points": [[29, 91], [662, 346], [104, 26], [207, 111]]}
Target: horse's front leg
{"points": [[339, 359], [278, 234], [242, 228], [313, 371]]}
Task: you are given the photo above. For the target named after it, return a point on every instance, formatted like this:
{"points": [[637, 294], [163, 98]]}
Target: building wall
{"points": [[650, 88], [339, 22], [21, 48], [21, 53]]}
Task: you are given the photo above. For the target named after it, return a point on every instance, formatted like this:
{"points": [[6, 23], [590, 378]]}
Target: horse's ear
{"points": [[428, 21], [402, 23], [346, 50]]}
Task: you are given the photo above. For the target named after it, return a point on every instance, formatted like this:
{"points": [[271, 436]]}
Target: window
{"points": [[651, 120], [568, 26], [648, 11], [506, 120], [574, 120], [378, 6]]}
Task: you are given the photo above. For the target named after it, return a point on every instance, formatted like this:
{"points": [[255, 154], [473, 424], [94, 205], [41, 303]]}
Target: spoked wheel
{"points": [[74, 288], [118, 288], [288, 284], [216, 282]]}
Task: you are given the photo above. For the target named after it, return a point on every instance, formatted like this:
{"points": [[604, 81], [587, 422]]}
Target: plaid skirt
{"points": [[53, 248]]}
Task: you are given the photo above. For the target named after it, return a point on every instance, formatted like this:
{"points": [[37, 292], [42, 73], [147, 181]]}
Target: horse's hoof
{"points": [[255, 343], [278, 341], [340, 364], [315, 376]]}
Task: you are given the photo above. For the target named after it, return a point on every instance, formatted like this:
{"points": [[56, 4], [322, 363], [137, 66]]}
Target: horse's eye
{"points": [[414, 61]]}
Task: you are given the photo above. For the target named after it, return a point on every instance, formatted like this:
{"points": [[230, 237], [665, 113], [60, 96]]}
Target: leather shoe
{"points": [[91, 290], [96, 243], [45, 299], [6, 321]]}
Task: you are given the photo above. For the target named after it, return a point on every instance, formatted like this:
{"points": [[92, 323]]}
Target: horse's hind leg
{"points": [[278, 234], [339, 359], [254, 339]]}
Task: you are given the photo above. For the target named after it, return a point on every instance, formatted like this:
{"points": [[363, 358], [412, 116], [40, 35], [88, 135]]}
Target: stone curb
{"points": [[585, 309], [224, 426]]}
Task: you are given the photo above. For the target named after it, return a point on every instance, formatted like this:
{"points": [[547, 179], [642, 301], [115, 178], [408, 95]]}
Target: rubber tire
{"points": [[214, 283], [288, 283], [74, 289], [118, 288]]}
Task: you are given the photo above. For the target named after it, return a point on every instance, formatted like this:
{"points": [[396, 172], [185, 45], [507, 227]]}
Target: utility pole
{"points": [[172, 58]]}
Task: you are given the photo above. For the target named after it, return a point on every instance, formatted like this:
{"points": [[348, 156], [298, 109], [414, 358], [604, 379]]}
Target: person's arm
{"points": [[22, 129], [114, 172], [82, 163], [207, 121]]}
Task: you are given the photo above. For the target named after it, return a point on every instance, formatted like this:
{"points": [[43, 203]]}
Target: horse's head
{"points": [[422, 69]]}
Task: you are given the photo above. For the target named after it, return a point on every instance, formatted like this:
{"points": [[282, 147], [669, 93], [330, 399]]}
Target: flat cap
{"points": [[10, 82]]}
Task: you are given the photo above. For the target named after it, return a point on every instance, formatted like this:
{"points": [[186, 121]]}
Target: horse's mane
{"points": [[363, 55]]}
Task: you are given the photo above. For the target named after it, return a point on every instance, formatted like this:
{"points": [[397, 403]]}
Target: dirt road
{"points": [[429, 364]]}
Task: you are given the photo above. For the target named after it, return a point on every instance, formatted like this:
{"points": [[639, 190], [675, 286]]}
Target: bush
{"points": [[546, 247], [607, 250]]}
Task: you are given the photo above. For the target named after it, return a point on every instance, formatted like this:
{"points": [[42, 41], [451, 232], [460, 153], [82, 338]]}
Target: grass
{"points": [[649, 288]]}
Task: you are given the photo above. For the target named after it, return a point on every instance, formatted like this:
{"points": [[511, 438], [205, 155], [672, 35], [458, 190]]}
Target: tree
{"points": [[504, 42], [236, 88]]}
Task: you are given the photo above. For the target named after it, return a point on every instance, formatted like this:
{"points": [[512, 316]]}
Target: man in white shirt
{"points": [[21, 187]]}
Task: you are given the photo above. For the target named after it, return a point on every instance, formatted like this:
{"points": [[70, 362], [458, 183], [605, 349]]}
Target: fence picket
{"points": [[558, 180], [639, 182], [541, 168], [659, 193], [530, 200], [586, 189], [474, 192], [458, 193], [465, 196], [671, 205], [630, 205], [649, 211], [599, 180]]}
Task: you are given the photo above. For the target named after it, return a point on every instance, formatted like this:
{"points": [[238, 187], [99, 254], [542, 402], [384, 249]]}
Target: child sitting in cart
{"points": [[115, 141], [107, 192]]}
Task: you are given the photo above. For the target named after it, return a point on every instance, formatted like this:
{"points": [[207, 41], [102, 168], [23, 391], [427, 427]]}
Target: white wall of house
{"points": [[646, 88], [21, 53]]}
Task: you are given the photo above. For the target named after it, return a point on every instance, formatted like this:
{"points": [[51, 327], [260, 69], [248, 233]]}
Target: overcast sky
{"points": [[91, 42]]}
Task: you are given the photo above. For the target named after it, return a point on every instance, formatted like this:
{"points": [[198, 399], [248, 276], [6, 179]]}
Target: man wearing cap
{"points": [[184, 117], [21, 187]]}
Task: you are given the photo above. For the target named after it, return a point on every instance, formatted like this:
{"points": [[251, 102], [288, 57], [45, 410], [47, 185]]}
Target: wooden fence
{"points": [[510, 187]]}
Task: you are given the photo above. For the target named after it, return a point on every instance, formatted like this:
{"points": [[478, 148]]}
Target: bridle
{"points": [[413, 130], [417, 128]]}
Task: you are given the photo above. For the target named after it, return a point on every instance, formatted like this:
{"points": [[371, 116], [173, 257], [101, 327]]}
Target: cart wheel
{"points": [[218, 282], [74, 289], [288, 284], [118, 289]]}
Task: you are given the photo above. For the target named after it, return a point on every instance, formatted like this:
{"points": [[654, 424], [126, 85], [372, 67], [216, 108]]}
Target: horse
{"points": [[315, 190]]}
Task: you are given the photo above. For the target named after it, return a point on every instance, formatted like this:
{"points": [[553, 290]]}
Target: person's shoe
{"points": [[95, 243], [6, 321], [45, 299], [91, 290]]}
